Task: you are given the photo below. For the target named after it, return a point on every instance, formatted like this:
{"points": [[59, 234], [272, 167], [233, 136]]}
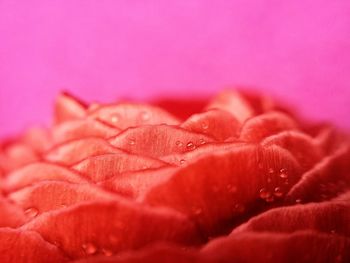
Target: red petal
{"points": [[93, 228], [68, 108], [330, 217], [47, 196], [218, 124], [78, 129], [302, 146], [327, 179], [303, 247], [232, 102], [27, 246], [105, 166], [11, 215], [158, 140], [218, 188], [72, 152], [39, 172], [261, 126], [127, 115]]}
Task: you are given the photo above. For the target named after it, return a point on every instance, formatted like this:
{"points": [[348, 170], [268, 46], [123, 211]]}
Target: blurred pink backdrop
{"points": [[101, 50]]}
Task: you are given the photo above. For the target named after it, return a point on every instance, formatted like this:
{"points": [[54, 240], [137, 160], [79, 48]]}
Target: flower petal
{"points": [[261, 126], [78, 129], [50, 195], [329, 217], [125, 115], [74, 151], [158, 140], [247, 175], [105, 166], [91, 228], [233, 103], [218, 124], [302, 146], [11, 215], [68, 108]]}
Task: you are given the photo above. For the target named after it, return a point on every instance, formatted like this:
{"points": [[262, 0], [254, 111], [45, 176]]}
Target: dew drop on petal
{"points": [[270, 199], [89, 248], [283, 173], [239, 208], [298, 201], [278, 192], [190, 146], [271, 170], [178, 143], [115, 118], [182, 161], [201, 141], [31, 212], [205, 125], [264, 193], [131, 141]]}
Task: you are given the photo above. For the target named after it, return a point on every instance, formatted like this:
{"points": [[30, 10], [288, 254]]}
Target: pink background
{"points": [[102, 50]]}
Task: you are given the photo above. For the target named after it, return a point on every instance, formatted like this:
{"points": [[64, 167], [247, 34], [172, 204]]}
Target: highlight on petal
{"points": [[68, 108], [125, 115], [158, 140], [23, 246], [82, 128], [118, 225], [218, 124], [249, 176], [40, 171], [234, 103], [261, 126], [102, 167], [74, 151], [50, 195]]}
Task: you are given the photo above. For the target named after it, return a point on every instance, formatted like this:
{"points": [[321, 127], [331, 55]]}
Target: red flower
{"points": [[243, 180]]}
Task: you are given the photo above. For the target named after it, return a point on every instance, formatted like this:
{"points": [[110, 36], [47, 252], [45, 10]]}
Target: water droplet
{"points": [[113, 239], [190, 146], [131, 141], [31, 212], [115, 118], [145, 116], [107, 252], [201, 141], [178, 143], [283, 173], [205, 125], [89, 248], [269, 180], [182, 161], [278, 192], [271, 170], [264, 193]]}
